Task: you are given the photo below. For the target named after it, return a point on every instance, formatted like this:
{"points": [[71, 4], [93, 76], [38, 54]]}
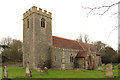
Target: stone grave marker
{"points": [[27, 72], [109, 71], [5, 72]]}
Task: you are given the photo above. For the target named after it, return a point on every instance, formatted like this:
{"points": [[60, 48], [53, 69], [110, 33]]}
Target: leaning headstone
{"points": [[27, 72], [46, 71], [109, 71], [5, 72], [101, 69], [39, 70]]}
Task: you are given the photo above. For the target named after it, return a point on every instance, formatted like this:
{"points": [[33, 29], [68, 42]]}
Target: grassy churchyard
{"points": [[19, 72]]}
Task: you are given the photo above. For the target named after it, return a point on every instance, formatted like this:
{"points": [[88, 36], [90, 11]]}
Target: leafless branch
{"points": [[115, 28], [101, 7]]}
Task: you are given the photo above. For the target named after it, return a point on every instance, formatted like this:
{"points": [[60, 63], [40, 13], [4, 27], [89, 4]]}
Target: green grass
{"points": [[19, 72]]}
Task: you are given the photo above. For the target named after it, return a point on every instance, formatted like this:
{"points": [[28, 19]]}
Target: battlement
{"points": [[34, 10]]}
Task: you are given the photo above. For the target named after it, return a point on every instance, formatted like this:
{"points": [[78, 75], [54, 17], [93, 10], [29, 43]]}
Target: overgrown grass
{"points": [[19, 72]]}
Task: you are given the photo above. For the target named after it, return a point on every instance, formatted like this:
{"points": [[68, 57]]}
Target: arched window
{"points": [[71, 58], [43, 22]]}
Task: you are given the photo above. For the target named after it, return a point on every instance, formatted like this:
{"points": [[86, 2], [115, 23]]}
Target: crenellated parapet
{"points": [[35, 10]]}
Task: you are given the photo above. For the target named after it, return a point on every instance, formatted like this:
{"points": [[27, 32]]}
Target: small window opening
{"points": [[43, 22], [27, 23]]}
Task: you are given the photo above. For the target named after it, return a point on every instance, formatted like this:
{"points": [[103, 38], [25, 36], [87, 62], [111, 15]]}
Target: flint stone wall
{"points": [[57, 53]]}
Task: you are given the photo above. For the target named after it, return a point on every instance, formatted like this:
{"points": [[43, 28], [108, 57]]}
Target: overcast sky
{"points": [[69, 19]]}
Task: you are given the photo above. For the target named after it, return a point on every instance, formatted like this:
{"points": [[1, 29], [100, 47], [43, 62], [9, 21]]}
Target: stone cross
{"points": [[109, 71], [5, 72]]}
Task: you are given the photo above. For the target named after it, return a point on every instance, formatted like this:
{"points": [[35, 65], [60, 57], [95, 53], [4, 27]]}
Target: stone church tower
{"points": [[37, 38]]}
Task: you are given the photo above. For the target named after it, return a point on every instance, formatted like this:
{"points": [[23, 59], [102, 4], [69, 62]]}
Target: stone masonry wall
{"points": [[56, 58]]}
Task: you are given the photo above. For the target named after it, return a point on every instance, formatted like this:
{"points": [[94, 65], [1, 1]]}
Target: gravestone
{"points": [[5, 72], [109, 71], [46, 71], [27, 72]]}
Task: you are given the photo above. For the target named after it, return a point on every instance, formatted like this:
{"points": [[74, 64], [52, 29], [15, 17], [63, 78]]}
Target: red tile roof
{"points": [[72, 44], [65, 43]]}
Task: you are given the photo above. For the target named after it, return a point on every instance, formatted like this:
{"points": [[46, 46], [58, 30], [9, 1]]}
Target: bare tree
{"points": [[83, 38], [86, 38], [80, 39], [6, 41]]}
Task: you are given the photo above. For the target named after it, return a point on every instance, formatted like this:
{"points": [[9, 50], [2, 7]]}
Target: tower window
{"points": [[43, 22], [27, 23]]}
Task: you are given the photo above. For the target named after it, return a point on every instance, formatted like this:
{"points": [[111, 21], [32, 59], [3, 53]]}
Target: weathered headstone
{"points": [[5, 72], [109, 71], [101, 69], [27, 72], [46, 71]]}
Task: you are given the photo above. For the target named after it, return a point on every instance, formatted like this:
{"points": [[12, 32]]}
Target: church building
{"points": [[41, 49]]}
